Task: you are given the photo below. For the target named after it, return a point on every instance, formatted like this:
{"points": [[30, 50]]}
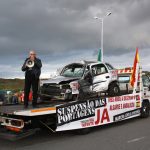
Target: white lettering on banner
{"points": [[78, 110], [125, 115]]}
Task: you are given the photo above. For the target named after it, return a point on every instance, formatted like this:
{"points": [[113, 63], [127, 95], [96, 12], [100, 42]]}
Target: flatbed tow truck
{"points": [[61, 115]]}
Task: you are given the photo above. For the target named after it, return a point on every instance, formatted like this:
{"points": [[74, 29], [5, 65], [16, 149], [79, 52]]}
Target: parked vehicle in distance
{"points": [[5, 96]]}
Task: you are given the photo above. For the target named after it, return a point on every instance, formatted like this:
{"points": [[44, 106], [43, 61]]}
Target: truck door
{"points": [[101, 77], [146, 86]]}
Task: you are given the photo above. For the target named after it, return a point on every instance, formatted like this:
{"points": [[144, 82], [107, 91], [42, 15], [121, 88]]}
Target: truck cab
{"points": [[124, 76]]}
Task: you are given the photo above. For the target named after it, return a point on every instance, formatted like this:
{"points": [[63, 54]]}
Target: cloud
{"points": [[66, 28]]}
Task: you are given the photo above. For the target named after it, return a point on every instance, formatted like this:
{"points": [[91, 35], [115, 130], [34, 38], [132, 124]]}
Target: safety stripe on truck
{"points": [[126, 70], [43, 109], [36, 112]]}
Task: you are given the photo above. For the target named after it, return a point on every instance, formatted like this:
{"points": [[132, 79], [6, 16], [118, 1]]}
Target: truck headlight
{"points": [[17, 123]]}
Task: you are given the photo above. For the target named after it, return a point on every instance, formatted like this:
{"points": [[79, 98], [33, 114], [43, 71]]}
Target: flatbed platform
{"points": [[44, 107]]}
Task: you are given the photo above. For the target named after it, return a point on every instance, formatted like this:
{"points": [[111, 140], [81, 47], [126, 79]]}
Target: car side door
{"points": [[101, 77]]}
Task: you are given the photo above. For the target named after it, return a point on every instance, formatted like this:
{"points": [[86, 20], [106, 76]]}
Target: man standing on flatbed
{"points": [[32, 67]]}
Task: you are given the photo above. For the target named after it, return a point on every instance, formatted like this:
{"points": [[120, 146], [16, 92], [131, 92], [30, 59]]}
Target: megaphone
{"points": [[30, 63]]}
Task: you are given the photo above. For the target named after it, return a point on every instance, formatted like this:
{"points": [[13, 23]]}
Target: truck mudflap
{"points": [[12, 136]]}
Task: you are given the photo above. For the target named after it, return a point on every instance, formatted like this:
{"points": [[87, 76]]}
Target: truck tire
{"points": [[114, 89], [145, 110]]}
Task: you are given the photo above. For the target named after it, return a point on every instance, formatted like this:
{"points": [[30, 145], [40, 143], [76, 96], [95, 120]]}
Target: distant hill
{"points": [[18, 84], [11, 84]]}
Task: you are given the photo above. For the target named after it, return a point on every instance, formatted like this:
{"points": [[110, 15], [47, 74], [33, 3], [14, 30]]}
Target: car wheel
{"points": [[113, 90]]}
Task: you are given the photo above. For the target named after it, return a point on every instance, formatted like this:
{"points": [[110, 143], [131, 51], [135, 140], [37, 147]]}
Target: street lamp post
{"points": [[102, 33]]}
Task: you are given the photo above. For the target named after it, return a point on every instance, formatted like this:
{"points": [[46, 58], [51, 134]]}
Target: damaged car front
{"points": [[59, 87]]}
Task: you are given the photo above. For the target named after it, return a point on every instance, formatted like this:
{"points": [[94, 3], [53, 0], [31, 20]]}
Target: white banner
{"points": [[96, 112]]}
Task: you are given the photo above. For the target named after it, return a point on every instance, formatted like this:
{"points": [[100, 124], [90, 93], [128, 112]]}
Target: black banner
{"points": [[125, 115], [78, 110]]}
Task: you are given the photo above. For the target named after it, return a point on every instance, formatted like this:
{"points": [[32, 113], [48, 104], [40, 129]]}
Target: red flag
{"points": [[136, 61]]}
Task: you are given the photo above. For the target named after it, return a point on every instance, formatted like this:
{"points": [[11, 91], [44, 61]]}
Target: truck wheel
{"points": [[145, 110], [113, 90]]}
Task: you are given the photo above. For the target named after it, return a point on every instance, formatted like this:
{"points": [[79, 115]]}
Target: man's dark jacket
{"points": [[36, 69]]}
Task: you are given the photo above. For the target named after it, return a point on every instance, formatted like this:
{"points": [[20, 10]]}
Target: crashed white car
{"points": [[80, 80]]}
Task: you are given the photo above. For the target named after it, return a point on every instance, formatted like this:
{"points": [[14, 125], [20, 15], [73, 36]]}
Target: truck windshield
{"points": [[146, 81], [124, 79], [74, 70]]}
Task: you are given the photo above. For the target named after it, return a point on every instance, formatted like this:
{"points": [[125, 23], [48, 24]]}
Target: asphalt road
{"points": [[133, 134]]}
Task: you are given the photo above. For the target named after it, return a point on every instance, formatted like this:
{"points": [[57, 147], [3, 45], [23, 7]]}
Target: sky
{"points": [[65, 31]]}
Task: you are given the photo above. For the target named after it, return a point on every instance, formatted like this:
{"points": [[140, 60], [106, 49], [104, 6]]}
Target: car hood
{"points": [[59, 80]]}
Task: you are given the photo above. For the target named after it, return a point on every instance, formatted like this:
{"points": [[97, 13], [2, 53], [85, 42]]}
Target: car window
{"points": [[98, 69], [74, 70], [78, 72]]}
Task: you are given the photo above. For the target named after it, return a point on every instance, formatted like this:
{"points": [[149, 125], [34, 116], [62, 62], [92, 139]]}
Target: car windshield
{"points": [[73, 70], [110, 67]]}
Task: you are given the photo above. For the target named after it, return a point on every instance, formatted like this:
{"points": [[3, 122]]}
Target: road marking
{"points": [[135, 140]]}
